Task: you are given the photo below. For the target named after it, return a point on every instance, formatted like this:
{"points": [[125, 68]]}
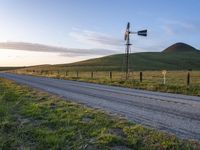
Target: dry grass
{"points": [[176, 81]]}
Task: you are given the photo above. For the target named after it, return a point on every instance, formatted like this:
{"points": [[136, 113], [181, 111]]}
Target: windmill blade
{"points": [[142, 33], [125, 35], [127, 31], [128, 26]]}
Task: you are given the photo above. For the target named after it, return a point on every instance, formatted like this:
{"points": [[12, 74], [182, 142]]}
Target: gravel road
{"points": [[176, 114]]}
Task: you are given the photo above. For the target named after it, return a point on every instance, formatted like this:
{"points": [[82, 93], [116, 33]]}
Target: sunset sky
{"points": [[36, 32]]}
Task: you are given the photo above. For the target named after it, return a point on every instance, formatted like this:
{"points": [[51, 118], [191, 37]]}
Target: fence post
{"points": [[140, 76], [77, 74], [111, 75], [164, 76], [92, 75], [188, 78], [66, 73]]}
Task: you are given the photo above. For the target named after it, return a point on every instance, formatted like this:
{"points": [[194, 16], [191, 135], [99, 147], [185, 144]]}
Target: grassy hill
{"points": [[179, 56], [141, 61], [180, 47]]}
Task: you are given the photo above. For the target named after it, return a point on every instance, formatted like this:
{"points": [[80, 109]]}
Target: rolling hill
{"points": [[180, 47], [179, 56]]}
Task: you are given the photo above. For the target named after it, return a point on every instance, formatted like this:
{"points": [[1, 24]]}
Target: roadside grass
{"points": [[30, 119], [178, 89], [176, 81]]}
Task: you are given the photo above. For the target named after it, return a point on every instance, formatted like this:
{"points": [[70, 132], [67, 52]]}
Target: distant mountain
{"points": [[179, 56], [180, 47]]}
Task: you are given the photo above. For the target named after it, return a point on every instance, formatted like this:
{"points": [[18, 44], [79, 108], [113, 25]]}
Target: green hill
{"points": [[179, 56], [180, 47]]}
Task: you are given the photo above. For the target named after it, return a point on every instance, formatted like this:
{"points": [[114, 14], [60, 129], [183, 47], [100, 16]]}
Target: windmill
{"points": [[127, 39]]}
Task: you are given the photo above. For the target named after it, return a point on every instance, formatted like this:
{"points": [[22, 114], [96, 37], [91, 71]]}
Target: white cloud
{"points": [[97, 39], [168, 30], [186, 25], [172, 27], [53, 49]]}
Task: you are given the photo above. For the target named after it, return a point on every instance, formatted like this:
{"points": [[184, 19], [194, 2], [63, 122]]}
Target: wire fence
{"points": [[178, 78]]}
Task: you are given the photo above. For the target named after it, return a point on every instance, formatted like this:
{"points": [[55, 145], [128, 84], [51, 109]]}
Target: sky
{"points": [[34, 32]]}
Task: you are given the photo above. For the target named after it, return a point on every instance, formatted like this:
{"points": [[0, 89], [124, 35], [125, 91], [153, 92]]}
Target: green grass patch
{"points": [[30, 119]]}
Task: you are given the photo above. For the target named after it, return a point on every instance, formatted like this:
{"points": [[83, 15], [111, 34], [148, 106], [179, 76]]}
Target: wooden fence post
{"points": [[77, 74], [188, 78], [141, 77], [111, 75], [66, 73], [92, 75]]}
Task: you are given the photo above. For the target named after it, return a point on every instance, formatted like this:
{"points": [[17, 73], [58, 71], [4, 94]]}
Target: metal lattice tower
{"points": [[128, 44]]}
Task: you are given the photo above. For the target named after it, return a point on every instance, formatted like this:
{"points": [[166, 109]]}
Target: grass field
{"points": [[176, 81], [30, 119], [9, 68]]}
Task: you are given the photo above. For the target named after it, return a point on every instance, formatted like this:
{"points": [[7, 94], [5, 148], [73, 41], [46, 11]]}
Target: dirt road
{"points": [[177, 114]]}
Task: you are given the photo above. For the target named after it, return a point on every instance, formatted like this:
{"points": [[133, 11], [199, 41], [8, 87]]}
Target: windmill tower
{"points": [[128, 44]]}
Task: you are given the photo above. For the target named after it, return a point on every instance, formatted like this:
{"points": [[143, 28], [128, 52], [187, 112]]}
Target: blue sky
{"points": [[91, 28]]}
